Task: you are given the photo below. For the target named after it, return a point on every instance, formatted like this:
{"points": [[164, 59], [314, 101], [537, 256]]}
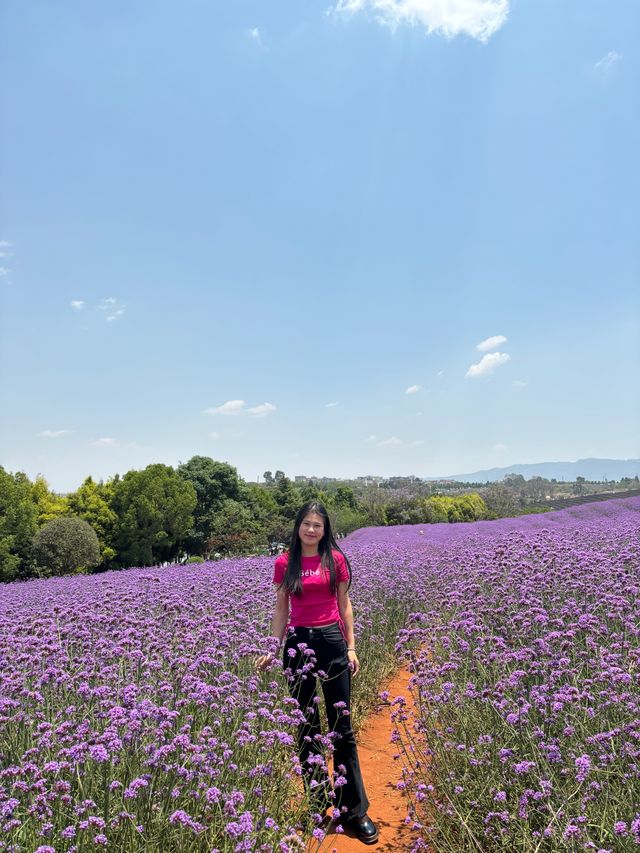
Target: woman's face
{"points": [[311, 529]]}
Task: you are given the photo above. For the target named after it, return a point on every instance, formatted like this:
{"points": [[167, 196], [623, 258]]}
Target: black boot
{"points": [[364, 828]]}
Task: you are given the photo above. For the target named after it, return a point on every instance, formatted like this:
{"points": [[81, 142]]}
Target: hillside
{"points": [[596, 470]]}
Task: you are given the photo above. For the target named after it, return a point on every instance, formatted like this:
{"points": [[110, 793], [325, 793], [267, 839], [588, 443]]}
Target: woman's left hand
{"points": [[354, 663], [264, 662]]}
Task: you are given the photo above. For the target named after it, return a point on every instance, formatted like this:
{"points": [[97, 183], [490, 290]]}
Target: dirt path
{"points": [[381, 772]]}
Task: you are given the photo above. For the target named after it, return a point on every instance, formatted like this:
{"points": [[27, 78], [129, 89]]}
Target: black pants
{"points": [[329, 663]]}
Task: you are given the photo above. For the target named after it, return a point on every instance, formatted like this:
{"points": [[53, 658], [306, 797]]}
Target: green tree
{"points": [[372, 501], [18, 525], [516, 481], [311, 492], [344, 497], [155, 514], [437, 509], [235, 530], [214, 483], [92, 502], [500, 501], [65, 545], [344, 520], [537, 488], [48, 503], [260, 500], [404, 511], [471, 507], [454, 514], [287, 496]]}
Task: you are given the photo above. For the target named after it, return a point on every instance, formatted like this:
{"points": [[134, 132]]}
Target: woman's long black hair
{"points": [[292, 579]]}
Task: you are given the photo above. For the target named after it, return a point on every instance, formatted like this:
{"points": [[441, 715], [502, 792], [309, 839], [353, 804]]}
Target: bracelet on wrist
{"points": [[350, 649]]}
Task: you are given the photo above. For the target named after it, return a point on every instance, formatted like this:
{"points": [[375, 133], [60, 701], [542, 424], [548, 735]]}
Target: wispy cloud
{"points": [[479, 19], [499, 447], [394, 441], [105, 442], [370, 439], [214, 435], [487, 364], [235, 408], [254, 33], [519, 383], [54, 433], [231, 408], [603, 66], [413, 389], [5, 245], [262, 410], [491, 343], [111, 308], [332, 405]]}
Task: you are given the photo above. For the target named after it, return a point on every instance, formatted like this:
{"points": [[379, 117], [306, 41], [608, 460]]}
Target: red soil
{"points": [[381, 771]]}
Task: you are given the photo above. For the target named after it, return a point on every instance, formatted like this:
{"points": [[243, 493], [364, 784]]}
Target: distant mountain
{"points": [[590, 469]]}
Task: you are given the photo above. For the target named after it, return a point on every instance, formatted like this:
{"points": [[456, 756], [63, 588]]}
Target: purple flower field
{"points": [[131, 717], [526, 654]]}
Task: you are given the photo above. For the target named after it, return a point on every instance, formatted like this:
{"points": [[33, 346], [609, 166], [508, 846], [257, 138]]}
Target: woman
{"points": [[314, 612]]}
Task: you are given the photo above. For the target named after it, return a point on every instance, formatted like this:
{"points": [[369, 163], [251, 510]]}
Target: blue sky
{"points": [[294, 235]]}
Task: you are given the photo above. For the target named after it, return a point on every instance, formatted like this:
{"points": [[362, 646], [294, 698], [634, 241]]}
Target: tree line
{"points": [[198, 511]]}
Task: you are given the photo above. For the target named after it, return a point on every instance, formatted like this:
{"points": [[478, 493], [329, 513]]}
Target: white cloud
{"points": [[214, 435], [413, 389], [487, 364], [441, 373], [234, 408], [332, 405], [394, 441], [262, 410], [78, 304], [254, 33], [390, 442], [4, 271], [54, 433], [105, 442], [603, 66], [479, 19], [111, 308], [370, 439], [231, 408], [500, 447], [518, 383], [491, 343]]}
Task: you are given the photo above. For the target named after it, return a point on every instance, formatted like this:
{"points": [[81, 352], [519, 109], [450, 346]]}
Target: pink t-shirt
{"points": [[317, 605]]}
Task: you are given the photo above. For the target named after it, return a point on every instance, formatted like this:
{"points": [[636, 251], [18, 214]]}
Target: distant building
{"points": [[369, 480]]}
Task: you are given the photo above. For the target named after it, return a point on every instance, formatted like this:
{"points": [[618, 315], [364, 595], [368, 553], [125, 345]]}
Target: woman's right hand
{"points": [[264, 662]]}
